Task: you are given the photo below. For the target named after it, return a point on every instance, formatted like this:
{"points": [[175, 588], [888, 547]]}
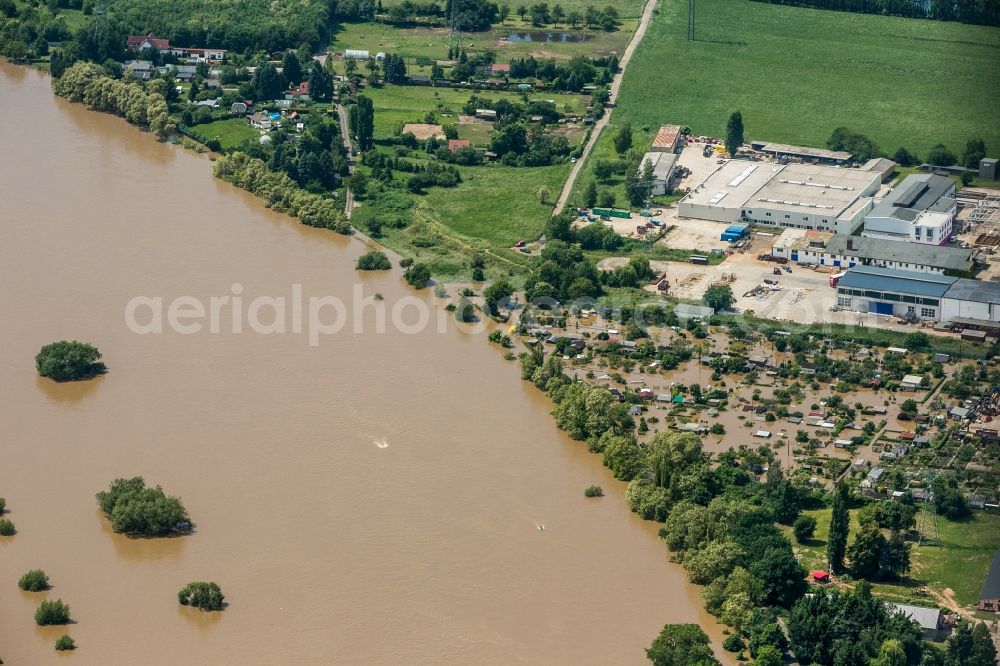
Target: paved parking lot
{"points": [[701, 167]]}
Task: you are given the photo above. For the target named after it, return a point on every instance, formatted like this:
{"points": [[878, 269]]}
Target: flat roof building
{"points": [[973, 303], [721, 196], [799, 196], [663, 171], [785, 151], [881, 165], [667, 139], [815, 197], [920, 209]]}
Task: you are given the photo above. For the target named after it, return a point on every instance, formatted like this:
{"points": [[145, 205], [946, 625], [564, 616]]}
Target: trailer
{"points": [[611, 212]]}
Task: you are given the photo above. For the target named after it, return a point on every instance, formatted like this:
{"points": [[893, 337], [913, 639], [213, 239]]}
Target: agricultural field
{"points": [[953, 567], [420, 44], [796, 74], [408, 104]]}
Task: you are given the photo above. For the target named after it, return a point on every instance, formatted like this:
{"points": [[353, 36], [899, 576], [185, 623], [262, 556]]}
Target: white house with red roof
{"points": [[144, 43]]}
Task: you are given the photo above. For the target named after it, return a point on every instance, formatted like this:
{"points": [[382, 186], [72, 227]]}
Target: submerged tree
{"points": [[206, 596], [135, 508], [68, 361]]}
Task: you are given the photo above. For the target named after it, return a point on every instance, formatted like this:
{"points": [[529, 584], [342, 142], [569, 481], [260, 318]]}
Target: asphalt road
{"points": [[602, 122]]}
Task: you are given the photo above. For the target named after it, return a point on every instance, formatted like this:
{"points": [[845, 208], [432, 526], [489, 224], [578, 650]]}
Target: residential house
{"points": [[959, 413], [146, 42], [261, 120], [500, 69], [911, 382], [140, 70], [874, 475], [238, 109], [486, 114], [930, 619], [455, 144]]}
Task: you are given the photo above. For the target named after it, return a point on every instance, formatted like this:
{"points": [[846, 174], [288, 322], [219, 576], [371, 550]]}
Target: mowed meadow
{"points": [[796, 74]]}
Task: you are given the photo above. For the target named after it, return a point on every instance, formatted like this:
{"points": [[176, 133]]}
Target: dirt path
{"points": [[346, 134], [602, 122]]}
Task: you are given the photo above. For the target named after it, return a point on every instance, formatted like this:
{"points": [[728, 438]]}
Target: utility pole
{"points": [[691, 21]]}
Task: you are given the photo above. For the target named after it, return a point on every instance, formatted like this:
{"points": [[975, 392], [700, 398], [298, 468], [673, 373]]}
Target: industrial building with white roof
{"points": [[800, 196]]}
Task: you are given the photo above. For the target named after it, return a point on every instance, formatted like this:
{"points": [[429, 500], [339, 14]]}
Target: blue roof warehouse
{"points": [[924, 296]]}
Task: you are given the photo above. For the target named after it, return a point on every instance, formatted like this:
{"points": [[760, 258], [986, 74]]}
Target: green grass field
{"points": [[407, 104], [959, 562], [492, 208], [230, 132], [422, 42], [796, 74]]}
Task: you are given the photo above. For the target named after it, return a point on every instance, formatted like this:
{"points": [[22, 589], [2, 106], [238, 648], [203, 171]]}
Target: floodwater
{"points": [[376, 499], [543, 37]]}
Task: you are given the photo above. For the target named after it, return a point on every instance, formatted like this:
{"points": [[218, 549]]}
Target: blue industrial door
{"points": [[795, 256], [878, 307], [836, 262]]}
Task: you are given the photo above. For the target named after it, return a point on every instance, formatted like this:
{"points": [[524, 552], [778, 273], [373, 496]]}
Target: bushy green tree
{"points": [[804, 527], [206, 596], [970, 645], [865, 552], [939, 155], [681, 645], [418, 275], [719, 296], [374, 260], [67, 361], [135, 508], [52, 612], [496, 295], [975, 150], [623, 139], [7, 527], [65, 642], [34, 581], [948, 499]]}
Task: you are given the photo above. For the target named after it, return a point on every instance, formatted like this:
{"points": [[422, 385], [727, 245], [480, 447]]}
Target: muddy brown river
{"points": [[379, 498]]}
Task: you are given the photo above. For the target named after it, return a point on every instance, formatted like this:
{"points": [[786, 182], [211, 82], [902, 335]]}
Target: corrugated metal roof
{"points": [[927, 618], [900, 282], [991, 586], [979, 291], [939, 256]]}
